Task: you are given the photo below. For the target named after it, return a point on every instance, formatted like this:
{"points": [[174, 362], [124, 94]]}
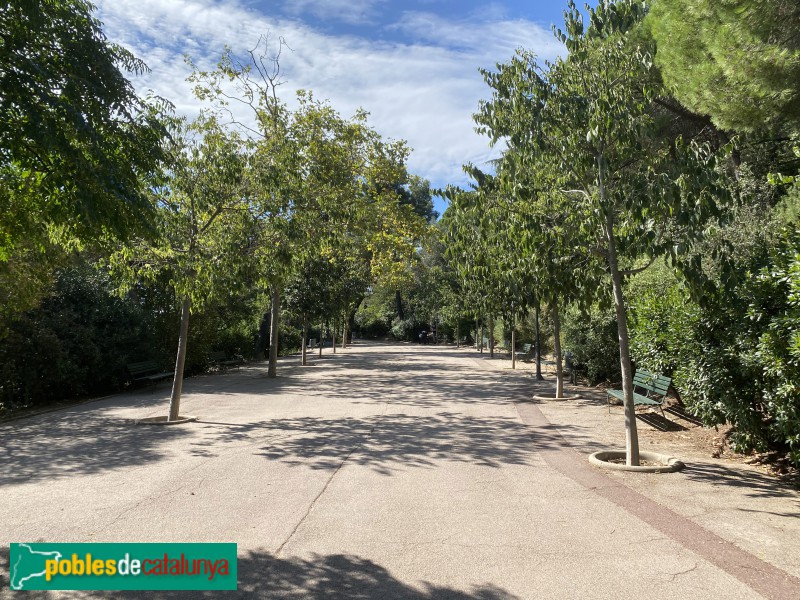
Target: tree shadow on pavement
{"points": [[419, 384], [329, 577], [63, 445], [757, 485], [385, 443]]}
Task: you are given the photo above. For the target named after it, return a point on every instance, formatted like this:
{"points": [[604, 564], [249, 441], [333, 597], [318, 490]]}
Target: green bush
{"points": [[735, 357], [76, 343], [371, 329], [591, 336], [407, 330]]}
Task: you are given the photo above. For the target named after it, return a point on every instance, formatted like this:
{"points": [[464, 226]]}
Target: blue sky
{"points": [[413, 65]]}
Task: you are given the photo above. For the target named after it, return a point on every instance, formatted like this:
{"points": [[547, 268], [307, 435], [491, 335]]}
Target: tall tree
{"points": [[202, 225], [585, 125], [314, 172]]}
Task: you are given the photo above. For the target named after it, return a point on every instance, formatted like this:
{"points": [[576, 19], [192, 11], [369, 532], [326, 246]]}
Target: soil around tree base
{"points": [[164, 420], [650, 462], [553, 397]]}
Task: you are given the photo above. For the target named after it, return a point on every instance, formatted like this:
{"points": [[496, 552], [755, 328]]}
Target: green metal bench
{"points": [[221, 360], [649, 389], [526, 350], [149, 371]]}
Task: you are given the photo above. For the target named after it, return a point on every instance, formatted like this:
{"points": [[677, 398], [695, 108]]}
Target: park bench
{"points": [[526, 350], [222, 362], [149, 371], [649, 389]]}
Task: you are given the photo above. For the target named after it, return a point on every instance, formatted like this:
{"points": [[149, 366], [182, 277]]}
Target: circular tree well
{"points": [[652, 462]]}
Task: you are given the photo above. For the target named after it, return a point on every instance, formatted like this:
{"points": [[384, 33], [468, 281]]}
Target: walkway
{"points": [[396, 471]]}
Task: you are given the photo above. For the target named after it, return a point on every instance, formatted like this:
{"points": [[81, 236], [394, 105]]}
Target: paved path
{"points": [[395, 472]]}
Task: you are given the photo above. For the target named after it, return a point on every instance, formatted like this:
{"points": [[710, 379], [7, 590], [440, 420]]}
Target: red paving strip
{"points": [[764, 578]]}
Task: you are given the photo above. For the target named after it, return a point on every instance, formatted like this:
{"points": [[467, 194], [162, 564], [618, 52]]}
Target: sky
{"points": [[412, 65]]}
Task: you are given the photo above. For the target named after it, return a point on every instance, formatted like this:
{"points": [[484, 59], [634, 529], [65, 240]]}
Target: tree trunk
{"points": [[513, 342], [273, 337], [477, 339], [180, 361], [305, 341], [458, 334], [557, 344], [537, 348], [321, 338], [344, 331], [491, 337], [333, 334], [398, 299], [481, 342], [631, 433]]}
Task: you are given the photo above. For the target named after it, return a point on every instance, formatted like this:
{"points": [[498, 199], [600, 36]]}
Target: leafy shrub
{"points": [[407, 329], [734, 357], [372, 329], [591, 336], [76, 343]]}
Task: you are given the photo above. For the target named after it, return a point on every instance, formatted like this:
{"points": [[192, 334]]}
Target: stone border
{"points": [[669, 464], [164, 420], [552, 397]]}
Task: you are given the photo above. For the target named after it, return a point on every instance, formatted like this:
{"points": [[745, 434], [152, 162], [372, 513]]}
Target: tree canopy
{"points": [[737, 61], [76, 142]]}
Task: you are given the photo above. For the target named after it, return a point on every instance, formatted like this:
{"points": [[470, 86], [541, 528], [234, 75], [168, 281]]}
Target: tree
{"points": [[416, 193], [585, 125], [76, 143], [737, 61], [309, 292], [469, 239], [315, 174], [202, 224]]}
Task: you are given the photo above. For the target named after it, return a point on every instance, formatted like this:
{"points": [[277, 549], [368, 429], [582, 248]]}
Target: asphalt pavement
{"points": [[397, 471]]}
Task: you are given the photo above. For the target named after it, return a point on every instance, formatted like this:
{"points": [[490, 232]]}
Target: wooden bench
{"points": [[149, 371], [652, 389], [221, 360], [526, 350]]}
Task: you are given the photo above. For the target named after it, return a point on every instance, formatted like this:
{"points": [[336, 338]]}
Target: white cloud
{"points": [[354, 12], [492, 40], [424, 90]]}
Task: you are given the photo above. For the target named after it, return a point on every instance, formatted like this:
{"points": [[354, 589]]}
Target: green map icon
{"points": [[28, 565]]}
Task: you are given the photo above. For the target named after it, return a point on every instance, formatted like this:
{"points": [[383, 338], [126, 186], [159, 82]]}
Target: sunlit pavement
{"points": [[396, 471]]}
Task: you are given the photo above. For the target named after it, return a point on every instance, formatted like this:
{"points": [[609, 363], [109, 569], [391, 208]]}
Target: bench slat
{"points": [[220, 358], [661, 388], [655, 387], [526, 348], [148, 370]]}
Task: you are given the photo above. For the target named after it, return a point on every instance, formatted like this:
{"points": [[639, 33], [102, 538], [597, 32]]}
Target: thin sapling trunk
{"points": [[180, 361], [557, 344], [273, 338]]}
